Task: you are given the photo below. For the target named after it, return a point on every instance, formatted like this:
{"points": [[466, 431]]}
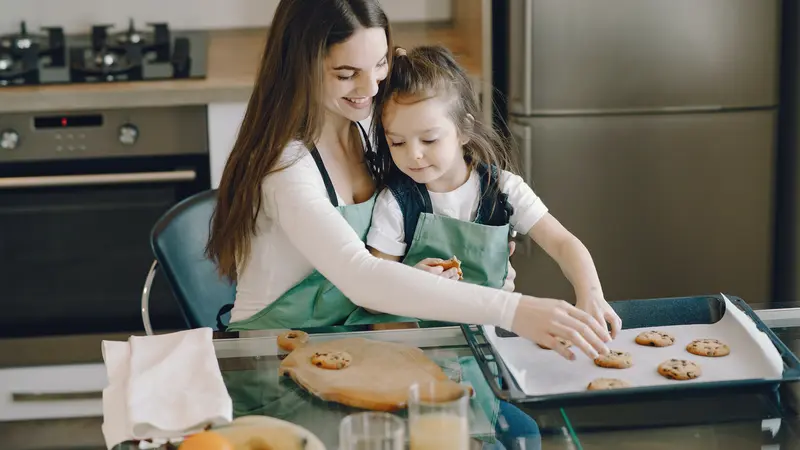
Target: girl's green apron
{"points": [[482, 247], [315, 301]]}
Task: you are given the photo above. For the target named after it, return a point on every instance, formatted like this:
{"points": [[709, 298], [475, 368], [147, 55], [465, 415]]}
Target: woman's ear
{"points": [[466, 130]]}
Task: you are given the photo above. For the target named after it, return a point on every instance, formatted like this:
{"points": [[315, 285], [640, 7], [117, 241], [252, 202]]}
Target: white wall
{"points": [[78, 15]]}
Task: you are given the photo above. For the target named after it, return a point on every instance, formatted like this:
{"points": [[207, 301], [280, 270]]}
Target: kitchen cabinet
{"points": [[52, 392]]}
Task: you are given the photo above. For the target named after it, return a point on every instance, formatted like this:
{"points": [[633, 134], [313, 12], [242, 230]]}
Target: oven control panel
{"points": [[161, 131]]}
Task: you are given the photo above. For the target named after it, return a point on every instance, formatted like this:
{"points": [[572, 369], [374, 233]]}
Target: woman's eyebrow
{"points": [[356, 69], [346, 67]]}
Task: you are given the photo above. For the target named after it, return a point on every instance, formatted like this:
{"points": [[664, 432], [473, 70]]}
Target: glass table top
{"points": [[733, 421], [249, 361]]}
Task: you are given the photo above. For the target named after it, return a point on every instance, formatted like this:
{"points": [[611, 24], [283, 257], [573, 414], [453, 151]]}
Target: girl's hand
{"points": [[429, 265], [597, 307], [543, 320]]}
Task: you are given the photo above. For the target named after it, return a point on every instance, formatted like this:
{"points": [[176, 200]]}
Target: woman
{"points": [[296, 197]]}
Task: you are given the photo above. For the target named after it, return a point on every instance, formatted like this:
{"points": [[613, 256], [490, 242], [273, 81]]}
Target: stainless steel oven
{"points": [[79, 194]]}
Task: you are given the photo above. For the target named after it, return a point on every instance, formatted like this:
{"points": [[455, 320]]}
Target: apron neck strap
{"points": [[324, 172], [494, 208], [325, 177]]}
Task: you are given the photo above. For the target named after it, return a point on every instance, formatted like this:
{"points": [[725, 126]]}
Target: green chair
{"points": [[178, 242]]}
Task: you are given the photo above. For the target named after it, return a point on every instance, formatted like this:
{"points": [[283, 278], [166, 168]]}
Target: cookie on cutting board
{"points": [[292, 339], [377, 377]]}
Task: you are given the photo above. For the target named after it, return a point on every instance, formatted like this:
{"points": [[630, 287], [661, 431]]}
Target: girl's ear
{"points": [[466, 131]]}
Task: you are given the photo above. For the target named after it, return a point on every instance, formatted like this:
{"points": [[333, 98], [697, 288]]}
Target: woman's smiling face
{"points": [[353, 69]]}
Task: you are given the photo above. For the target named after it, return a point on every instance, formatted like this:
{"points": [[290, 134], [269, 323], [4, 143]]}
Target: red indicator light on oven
{"points": [[63, 121]]}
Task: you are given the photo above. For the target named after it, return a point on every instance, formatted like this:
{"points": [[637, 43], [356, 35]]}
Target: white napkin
{"points": [[163, 386]]}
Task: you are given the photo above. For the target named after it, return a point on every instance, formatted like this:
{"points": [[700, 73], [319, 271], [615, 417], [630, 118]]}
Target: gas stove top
{"points": [[153, 52]]}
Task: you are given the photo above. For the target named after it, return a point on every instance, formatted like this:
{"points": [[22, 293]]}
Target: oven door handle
{"points": [[94, 179]]}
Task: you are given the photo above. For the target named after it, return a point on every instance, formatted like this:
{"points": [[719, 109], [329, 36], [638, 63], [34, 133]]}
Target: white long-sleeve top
{"points": [[299, 230]]}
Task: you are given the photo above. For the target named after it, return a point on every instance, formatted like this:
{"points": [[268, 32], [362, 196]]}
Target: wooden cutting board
{"points": [[378, 377]]}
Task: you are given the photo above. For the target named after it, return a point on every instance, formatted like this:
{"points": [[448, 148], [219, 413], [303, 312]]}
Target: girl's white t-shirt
{"points": [[387, 233], [299, 230]]}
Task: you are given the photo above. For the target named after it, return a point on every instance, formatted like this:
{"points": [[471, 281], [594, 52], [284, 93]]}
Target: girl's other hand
{"points": [[430, 265]]}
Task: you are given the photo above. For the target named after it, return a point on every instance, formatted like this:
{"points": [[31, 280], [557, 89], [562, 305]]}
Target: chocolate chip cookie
{"points": [[708, 347], [614, 360], [604, 384], [331, 360], [679, 369], [655, 338], [564, 342]]}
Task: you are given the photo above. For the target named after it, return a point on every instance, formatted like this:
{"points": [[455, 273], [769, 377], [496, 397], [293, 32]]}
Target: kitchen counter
{"points": [[233, 60]]}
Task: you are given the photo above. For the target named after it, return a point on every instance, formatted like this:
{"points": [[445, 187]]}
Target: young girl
{"points": [[450, 191]]}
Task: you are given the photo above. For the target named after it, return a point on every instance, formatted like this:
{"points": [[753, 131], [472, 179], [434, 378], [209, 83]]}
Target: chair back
{"points": [[178, 241]]}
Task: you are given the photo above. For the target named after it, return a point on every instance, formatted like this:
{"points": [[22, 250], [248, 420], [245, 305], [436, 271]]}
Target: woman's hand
{"points": [[597, 307], [542, 320], [430, 265]]}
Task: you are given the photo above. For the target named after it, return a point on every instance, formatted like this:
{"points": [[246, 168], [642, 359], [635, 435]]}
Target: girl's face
{"points": [[353, 70], [425, 143]]}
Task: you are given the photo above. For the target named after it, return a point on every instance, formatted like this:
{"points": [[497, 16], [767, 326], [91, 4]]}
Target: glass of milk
{"points": [[372, 431], [438, 416]]}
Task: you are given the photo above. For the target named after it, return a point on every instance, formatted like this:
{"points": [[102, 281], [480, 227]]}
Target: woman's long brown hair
{"points": [[284, 106]]}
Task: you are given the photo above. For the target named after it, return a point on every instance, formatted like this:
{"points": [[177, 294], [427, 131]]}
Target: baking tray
{"points": [[659, 312]]}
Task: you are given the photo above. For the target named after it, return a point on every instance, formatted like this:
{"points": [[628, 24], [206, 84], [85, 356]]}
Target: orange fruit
{"points": [[206, 440]]}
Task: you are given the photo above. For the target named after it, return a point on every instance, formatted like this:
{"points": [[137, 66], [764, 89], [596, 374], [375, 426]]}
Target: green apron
{"points": [[315, 301], [481, 246]]}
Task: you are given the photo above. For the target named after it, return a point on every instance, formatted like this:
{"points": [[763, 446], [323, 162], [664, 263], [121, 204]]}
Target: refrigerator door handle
{"points": [[527, 57], [522, 136], [521, 59], [522, 133]]}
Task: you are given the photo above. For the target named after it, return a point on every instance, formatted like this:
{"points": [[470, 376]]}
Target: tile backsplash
{"points": [[79, 15]]}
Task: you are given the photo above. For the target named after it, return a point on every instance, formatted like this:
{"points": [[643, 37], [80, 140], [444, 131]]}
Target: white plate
{"points": [[312, 441]]}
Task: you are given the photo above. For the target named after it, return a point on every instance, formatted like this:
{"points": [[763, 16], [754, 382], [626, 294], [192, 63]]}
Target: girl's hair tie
{"points": [[400, 51]]}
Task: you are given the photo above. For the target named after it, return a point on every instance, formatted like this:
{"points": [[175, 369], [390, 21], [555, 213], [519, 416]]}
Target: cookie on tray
{"points": [[708, 347], [614, 360], [604, 384], [564, 342], [331, 360], [679, 369], [653, 338]]}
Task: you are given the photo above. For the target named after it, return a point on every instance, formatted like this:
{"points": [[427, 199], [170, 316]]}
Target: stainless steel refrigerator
{"points": [[648, 128]]}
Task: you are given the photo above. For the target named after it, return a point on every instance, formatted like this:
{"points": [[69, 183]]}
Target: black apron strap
{"points": [[325, 177], [222, 311], [367, 145], [494, 208], [413, 199], [324, 172]]}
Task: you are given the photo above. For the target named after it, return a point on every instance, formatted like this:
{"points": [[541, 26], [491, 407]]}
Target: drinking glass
{"points": [[438, 416], [372, 431]]}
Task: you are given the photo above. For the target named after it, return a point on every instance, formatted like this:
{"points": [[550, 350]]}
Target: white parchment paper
{"points": [[543, 372]]}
